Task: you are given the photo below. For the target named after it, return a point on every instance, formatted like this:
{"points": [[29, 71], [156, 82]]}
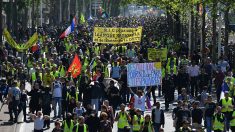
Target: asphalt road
{"points": [[28, 127]]}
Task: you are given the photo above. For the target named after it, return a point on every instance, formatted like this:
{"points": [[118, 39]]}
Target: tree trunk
{"points": [[1, 23], [15, 21], [196, 36], [115, 8], [33, 15], [226, 20], [214, 45], [177, 29], [203, 29], [25, 17], [170, 23], [192, 31]]}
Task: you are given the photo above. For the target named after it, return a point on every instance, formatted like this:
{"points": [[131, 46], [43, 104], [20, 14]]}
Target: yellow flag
{"points": [[20, 47], [9, 39]]}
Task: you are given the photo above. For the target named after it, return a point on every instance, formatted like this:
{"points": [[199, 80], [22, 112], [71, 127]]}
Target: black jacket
{"points": [[162, 120]]}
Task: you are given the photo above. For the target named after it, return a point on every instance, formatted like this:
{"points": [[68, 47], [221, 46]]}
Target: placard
{"points": [[144, 74], [157, 54]]}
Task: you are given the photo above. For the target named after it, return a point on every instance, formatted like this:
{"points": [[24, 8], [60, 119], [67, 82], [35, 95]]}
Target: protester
{"points": [[105, 125], [147, 125], [138, 119], [210, 107], [158, 118], [39, 120], [227, 105], [80, 126], [122, 118], [218, 120]]}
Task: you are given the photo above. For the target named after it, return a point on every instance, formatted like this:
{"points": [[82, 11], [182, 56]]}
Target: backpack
{"points": [[16, 94]]}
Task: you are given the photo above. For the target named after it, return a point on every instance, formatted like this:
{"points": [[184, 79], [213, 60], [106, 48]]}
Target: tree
{"points": [[228, 5], [1, 22]]}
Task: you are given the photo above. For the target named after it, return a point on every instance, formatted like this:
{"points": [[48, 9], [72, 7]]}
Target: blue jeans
{"points": [[57, 100], [227, 120], [96, 103], [208, 124], [156, 127]]}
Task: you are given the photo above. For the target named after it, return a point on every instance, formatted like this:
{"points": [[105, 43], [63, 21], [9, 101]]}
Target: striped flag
{"points": [[69, 29]]}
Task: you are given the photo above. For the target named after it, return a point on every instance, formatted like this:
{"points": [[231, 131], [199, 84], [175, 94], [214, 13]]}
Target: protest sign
{"points": [[116, 35], [144, 74], [157, 54]]}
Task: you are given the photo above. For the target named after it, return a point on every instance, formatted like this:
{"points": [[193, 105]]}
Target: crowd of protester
{"points": [[90, 103]]}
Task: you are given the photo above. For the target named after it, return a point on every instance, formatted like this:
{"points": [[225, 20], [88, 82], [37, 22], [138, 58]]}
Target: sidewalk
{"points": [[6, 126]]}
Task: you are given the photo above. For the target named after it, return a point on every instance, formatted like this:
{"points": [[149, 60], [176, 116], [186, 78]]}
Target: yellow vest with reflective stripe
{"points": [[33, 76], [68, 129], [232, 122], [97, 50], [70, 96], [137, 123], [168, 66], [218, 125], [226, 105], [84, 127], [106, 72], [29, 64], [122, 121], [61, 71]]}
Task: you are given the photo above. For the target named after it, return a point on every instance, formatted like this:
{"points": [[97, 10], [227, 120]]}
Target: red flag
{"points": [[35, 48], [75, 67]]}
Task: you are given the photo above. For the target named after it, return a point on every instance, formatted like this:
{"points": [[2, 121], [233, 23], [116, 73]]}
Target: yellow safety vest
{"points": [[218, 125], [84, 127], [122, 121], [68, 129], [34, 76], [168, 66], [29, 64], [106, 72], [61, 71], [124, 49], [97, 50], [55, 74], [226, 105], [232, 122], [137, 123], [70, 96]]}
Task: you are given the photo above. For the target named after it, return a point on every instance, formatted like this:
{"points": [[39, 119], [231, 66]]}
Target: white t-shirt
{"points": [[139, 102]]}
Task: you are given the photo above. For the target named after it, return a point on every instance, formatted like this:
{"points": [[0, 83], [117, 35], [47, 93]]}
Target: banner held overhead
{"points": [[116, 35], [144, 74]]}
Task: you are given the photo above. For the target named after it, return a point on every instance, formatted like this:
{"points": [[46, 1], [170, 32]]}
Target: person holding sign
{"points": [[139, 99]]}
